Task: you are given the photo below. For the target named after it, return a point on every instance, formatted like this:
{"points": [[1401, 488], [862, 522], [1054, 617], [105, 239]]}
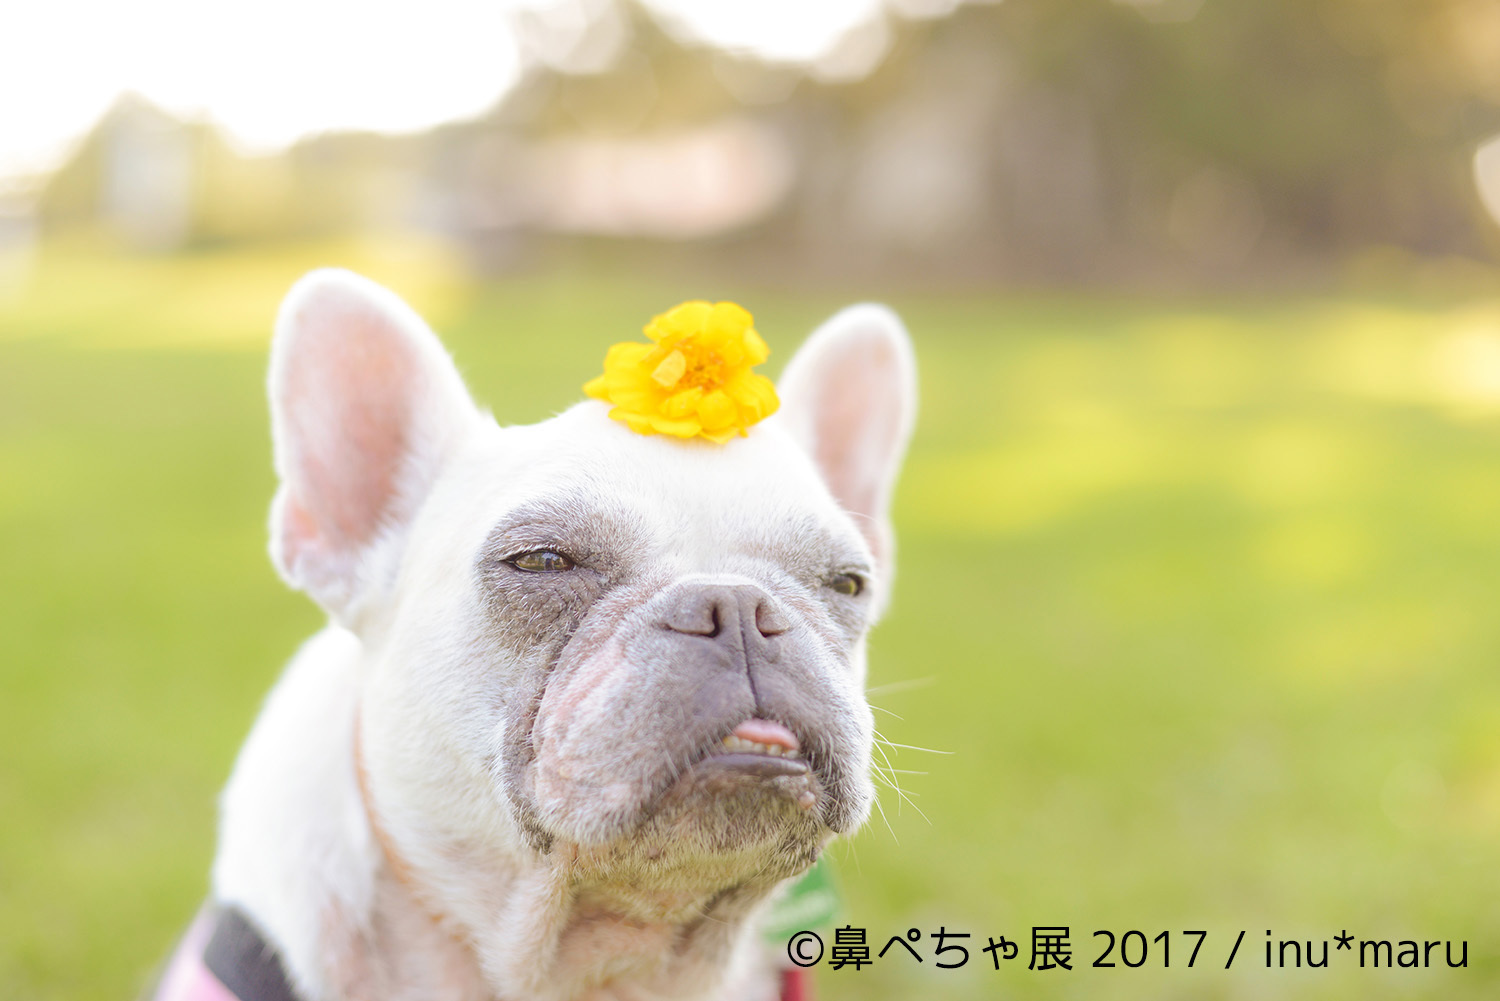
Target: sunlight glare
{"points": [[775, 30], [282, 69], [268, 74]]}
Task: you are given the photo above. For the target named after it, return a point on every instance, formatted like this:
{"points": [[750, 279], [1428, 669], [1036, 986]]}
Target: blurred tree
{"points": [[1053, 139]]}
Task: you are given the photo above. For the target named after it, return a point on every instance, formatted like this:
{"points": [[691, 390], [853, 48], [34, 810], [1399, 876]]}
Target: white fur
{"points": [[293, 838], [414, 879]]}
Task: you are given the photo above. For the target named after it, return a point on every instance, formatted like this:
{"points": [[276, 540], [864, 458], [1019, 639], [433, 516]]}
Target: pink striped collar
{"points": [[222, 957]]}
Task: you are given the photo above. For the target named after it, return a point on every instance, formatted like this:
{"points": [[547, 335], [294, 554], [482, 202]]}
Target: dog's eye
{"points": [[845, 583], [542, 561]]}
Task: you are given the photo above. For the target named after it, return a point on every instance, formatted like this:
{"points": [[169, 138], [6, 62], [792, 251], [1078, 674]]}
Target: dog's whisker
{"points": [[885, 779], [890, 780], [911, 747], [886, 820], [909, 802], [888, 774], [848, 854], [903, 795], [879, 749], [914, 806], [908, 685]]}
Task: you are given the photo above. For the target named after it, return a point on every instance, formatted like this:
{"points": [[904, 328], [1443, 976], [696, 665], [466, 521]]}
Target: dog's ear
{"points": [[849, 395], [365, 407]]}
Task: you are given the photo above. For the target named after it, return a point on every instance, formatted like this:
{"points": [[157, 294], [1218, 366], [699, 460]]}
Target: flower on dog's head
{"points": [[694, 379]]}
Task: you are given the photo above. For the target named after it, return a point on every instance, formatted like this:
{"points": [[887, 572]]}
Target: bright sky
{"points": [[278, 69]]}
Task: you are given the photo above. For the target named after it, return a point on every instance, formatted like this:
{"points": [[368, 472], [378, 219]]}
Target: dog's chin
{"points": [[724, 821], [728, 801], [763, 813]]}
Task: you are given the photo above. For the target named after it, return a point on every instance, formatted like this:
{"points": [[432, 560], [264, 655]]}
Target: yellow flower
{"points": [[693, 379]]}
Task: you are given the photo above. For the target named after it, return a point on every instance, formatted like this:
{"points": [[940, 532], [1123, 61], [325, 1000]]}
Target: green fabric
{"points": [[809, 903]]}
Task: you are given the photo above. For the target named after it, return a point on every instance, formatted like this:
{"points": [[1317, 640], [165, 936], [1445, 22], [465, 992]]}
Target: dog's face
{"points": [[644, 650]]}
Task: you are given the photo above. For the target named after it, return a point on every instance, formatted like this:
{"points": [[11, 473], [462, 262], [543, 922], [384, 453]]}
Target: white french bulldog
{"points": [[588, 697]]}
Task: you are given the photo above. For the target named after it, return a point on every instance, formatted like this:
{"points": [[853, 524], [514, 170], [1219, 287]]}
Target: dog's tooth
{"points": [[740, 745], [808, 799]]}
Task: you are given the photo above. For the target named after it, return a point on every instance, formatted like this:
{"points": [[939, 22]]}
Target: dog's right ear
{"points": [[365, 408]]}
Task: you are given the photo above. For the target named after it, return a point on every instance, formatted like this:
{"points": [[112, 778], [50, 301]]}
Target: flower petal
{"points": [[624, 354], [680, 405], [755, 348], [639, 423], [753, 392], [683, 320], [681, 429], [727, 319], [634, 399], [716, 410], [720, 437], [669, 372]]}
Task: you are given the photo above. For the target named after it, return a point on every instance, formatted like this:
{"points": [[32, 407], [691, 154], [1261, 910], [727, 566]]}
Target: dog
{"points": [[588, 699]]}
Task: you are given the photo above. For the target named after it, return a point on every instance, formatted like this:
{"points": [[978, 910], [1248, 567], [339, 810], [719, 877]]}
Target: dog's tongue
{"points": [[763, 731]]}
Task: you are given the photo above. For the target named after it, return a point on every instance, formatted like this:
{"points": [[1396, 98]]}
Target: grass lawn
{"points": [[1201, 597]]}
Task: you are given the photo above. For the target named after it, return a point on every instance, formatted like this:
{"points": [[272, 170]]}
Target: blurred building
{"points": [[133, 174]]}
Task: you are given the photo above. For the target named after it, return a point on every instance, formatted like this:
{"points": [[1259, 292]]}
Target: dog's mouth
{"points": [[758, 747], [763, 736]]}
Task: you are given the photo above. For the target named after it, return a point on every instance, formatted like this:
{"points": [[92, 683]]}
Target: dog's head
{"points": [[647, 650]]}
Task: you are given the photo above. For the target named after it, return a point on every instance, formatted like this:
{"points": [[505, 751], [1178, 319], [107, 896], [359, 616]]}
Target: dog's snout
{"points": [[715, 610]]}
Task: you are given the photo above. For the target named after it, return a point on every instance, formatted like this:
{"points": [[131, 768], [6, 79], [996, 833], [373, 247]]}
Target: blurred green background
{"points": [[1199, 596], [1198, 533]]}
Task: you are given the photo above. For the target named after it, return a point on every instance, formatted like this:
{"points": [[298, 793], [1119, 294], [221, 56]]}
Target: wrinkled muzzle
{"points": [[715, 707]]}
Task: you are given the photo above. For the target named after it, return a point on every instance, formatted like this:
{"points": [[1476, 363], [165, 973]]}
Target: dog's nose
{"points": [[727, 610]]}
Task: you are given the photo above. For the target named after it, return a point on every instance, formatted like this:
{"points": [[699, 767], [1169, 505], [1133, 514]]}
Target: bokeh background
{"points": [[1201, 522]]}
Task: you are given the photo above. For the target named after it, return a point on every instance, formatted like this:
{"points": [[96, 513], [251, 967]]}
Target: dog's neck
{"points": [[554, 927], [566, 925]]}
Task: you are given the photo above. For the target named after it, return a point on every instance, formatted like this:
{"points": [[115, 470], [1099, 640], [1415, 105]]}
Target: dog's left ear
{"points": [[849, 395], [366, 407]]}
